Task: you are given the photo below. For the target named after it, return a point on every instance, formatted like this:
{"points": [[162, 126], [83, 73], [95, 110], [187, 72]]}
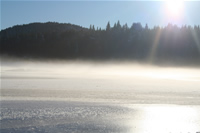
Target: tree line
{"points": [[54, 40]]}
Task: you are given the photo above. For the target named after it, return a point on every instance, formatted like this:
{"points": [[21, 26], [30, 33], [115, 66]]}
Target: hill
{"points": [[55, 40]]}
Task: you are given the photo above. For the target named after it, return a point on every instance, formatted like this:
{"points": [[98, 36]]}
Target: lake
{"points": [[77, 96]]}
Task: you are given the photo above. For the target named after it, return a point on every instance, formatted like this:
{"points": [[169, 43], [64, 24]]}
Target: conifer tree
{"points": [[108, 26]]}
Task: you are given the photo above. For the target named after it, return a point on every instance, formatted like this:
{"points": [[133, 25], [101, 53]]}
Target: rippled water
{"points": [[37, 116]]}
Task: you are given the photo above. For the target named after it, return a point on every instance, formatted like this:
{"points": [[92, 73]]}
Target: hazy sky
{"points": [[84, 13]]}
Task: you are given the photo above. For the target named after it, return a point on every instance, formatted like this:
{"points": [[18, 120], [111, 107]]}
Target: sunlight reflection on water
{"points": [[166, 119]]}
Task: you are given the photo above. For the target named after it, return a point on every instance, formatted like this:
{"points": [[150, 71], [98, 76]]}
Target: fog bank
{"points": [[98, 82]]}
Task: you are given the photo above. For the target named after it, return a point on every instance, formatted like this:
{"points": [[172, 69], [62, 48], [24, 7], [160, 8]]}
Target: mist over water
{"points": [[124, 77], [91, 96], [93, 76], [95, 69]]}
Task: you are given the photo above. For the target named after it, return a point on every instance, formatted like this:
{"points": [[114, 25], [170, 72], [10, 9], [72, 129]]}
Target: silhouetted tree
{"points": [[108, 26], [146, 27]]}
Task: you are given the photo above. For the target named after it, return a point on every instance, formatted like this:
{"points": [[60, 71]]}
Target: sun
{"points": [[175, 8]]}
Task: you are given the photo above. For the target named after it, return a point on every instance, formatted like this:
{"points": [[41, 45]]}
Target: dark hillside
{"points": [[54, 40]]}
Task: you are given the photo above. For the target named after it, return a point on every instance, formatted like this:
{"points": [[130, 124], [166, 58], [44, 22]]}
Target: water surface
{"points": [[96, 97]]}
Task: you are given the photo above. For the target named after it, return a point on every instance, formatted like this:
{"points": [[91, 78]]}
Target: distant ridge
{"points": [[42, 28], [67, 41]]}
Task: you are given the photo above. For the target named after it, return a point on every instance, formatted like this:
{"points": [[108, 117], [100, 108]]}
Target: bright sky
{"points": [[84, 13]]}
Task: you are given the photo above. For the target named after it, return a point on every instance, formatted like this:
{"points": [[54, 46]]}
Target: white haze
{"points": [[89, 69], [99, 81], [98, 97]]}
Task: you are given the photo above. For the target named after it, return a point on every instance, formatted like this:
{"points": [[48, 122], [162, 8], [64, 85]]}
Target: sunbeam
{"points": [[196, 39], [154, 47]]}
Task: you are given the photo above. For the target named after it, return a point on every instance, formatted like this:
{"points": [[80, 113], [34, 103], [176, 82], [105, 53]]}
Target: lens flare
{"points": [[174, 8]]}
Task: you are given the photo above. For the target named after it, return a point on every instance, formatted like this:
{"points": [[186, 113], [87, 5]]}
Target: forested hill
{"points": [[55, 40], [36, 28]]}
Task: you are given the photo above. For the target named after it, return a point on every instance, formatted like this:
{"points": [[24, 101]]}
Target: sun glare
{"points": [[169, 119], [174, 8]]}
